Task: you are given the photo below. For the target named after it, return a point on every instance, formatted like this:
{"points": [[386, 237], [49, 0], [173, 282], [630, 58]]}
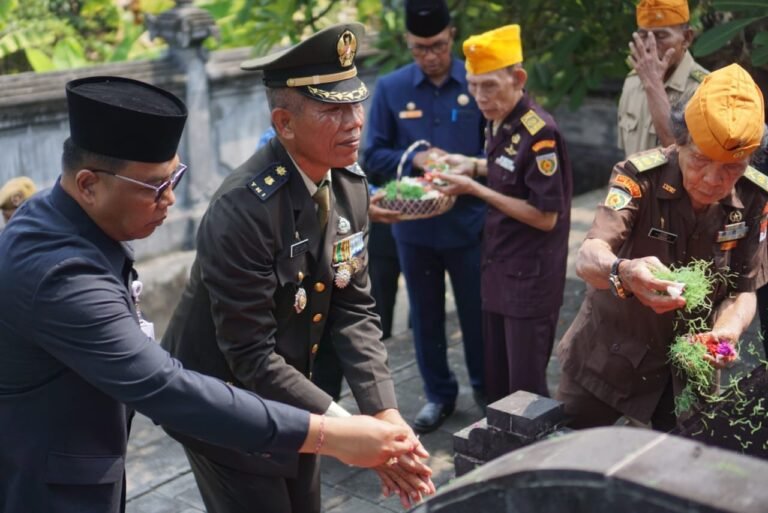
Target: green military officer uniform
{"points": [[636, 131], [273, 280]]}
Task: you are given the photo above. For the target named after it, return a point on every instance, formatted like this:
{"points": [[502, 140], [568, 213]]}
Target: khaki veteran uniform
{"points": [[635, 128], [272, 278], [616, 349]]}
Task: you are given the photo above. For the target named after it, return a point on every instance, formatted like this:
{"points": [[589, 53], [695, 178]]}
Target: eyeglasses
{"points": [[422, 50], [172, 182]]}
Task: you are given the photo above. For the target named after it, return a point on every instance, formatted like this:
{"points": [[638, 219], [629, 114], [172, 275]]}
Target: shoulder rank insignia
{"points": [[355, 169], [648, 160], [698, 75], [756, 177], [532, 122], [268, 181]]}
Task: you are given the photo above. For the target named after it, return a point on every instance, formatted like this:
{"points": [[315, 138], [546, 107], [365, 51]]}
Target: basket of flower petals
{"points": [[416, 197]]}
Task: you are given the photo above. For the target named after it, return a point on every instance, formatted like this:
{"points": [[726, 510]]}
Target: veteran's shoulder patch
{"points": [[756, 177], [355, 169], [698, 75], [544, 144], [547, 163], [648, 160], [631, 186], [268, 181], [617, 198], [532, 122]]}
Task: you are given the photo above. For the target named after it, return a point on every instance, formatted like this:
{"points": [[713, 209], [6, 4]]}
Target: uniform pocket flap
{"points": [[83, 470], [628, 123]]}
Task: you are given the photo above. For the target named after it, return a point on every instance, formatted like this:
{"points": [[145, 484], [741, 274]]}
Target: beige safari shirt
{"points": [[636, 131]]}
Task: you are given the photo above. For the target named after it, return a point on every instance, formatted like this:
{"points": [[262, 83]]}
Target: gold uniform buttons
{"points": [[319, 286], [317, 317], [314, 348]]}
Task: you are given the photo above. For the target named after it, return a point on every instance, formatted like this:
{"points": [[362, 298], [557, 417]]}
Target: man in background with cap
{"points": [[428, 100], [281, 271], [74, 362], [15, 192], [696, 199], [528, 191], [663, 72]]}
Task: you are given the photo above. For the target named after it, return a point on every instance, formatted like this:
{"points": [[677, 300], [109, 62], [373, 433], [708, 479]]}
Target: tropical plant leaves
{"points": [[718, 36]]}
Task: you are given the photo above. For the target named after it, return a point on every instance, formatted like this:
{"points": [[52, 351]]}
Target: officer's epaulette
{"points": [[648, 160], [698, 75], [355, 169], [268, 181], [532, 122], [756, 177]]}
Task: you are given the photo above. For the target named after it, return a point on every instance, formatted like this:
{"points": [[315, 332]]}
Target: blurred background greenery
{"points": [[572, 47]]}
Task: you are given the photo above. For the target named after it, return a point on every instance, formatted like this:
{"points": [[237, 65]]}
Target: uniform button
{"points": [[314, 348], [319, 286], [615, 348], [317, 317], [300, 276], [310, 374], [266, 455]]}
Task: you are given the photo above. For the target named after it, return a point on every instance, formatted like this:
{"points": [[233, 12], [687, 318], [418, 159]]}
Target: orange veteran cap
{"points": [[726, 115], [662, 13], [493, 50]]}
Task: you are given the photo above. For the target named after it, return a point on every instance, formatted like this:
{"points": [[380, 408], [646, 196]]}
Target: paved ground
{"points": [[159, 479]]}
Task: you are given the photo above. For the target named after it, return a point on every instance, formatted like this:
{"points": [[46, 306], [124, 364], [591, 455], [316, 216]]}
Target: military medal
{"points": [[343, 275], [343, 227], [300, 300]]}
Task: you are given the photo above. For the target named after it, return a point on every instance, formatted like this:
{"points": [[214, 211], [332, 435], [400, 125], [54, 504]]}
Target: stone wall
{"points": [[33, 126]]}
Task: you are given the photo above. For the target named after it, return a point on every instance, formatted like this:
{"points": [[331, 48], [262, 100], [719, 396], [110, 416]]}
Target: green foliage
{"points": [[400, 190], [741, 27]]}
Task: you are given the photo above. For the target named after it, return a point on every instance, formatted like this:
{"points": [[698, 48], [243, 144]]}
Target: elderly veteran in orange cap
{"points": [[696, 199], [663, 72], [15, 192], [528, 190]]}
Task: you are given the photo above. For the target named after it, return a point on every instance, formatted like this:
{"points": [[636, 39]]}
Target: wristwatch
{"points": [[617, 288]]}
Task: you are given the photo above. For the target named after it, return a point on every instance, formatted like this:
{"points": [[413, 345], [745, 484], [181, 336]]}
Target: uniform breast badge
{"points": [[343, 227], [300, 299], [462, 100]]}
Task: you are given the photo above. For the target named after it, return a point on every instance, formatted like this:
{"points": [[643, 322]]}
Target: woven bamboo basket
{"points": [[411, 209]]}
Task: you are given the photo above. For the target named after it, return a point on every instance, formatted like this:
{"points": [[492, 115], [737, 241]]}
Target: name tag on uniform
{"points": [[410, 114], [299, 248], [661, 235], [505, 162], [733, 231]]}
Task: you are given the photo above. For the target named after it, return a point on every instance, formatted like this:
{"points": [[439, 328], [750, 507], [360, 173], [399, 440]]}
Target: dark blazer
{"points": [[73, 363], [260, 242]]}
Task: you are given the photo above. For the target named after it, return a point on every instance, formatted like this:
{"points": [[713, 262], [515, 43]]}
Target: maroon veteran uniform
{"points": [[617, 348], [523, 270]]}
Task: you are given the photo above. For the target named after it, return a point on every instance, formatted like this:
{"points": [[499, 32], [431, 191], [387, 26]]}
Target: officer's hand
{"points": [[637, 277], [422, 158], [645, 59], [379, 214], [359, 440], [460, 164], [456, 184]]}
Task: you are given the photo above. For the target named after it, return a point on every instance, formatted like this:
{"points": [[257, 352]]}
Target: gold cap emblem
{"points": [[346, 47]]}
